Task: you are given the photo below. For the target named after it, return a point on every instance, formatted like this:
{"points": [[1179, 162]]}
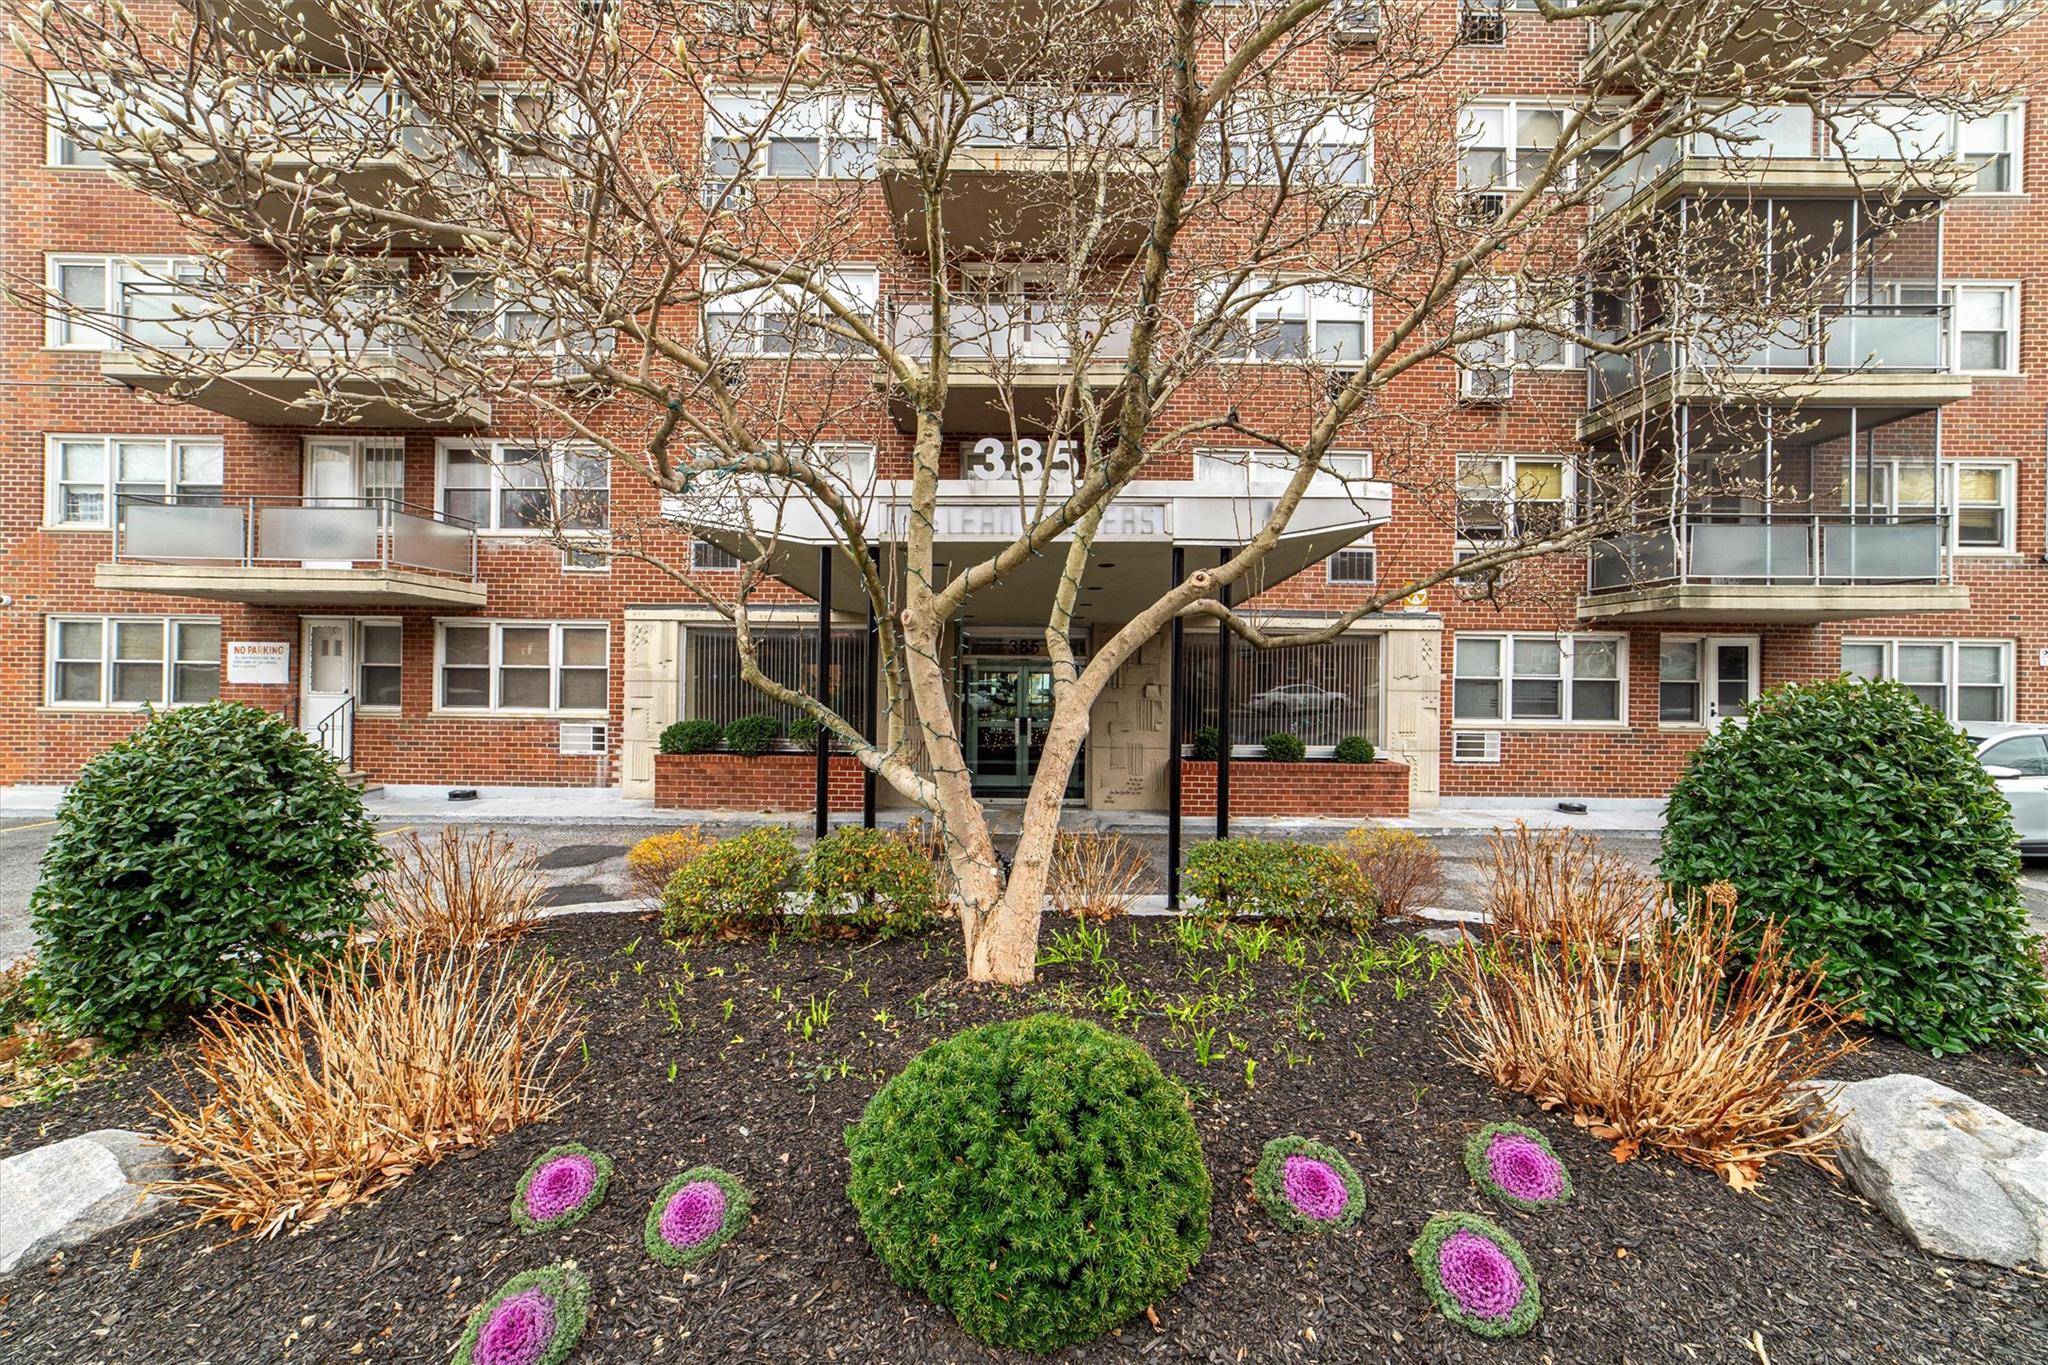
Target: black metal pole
{"points": [[871, 674], [823, 742], [1174, 718], [1224, 739]]}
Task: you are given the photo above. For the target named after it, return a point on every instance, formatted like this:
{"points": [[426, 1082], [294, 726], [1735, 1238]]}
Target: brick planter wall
{"points": [[1261, 787], [767, 782]]}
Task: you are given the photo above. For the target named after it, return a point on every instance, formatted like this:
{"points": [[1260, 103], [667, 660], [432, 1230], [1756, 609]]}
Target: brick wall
{"points": [[764, 782], [1347, 791]]}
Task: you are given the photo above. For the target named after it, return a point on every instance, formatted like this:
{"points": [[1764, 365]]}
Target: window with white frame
{"points": [[77, 113], [1705, 678], [1981, 505], [783, 135], [1986, 319], [380, 650], [1269, 471], [505, 488], [544, 132], [1755, 132], [1965, 680], [88, 476], [1503, 496], [1357, 563], [1268, 320], [99, 303], [704, 555], [1297, 138], [1989, 143], [129, 661], [491, 312], [746, 317], [1568, 679], [1486, 363], [1506, 144], [524, 666]]}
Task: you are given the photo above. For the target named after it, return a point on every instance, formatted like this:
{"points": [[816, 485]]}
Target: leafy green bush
{"points": [[1207, 745], [692, 737], [1354, 749], [876, 884], [191, 859], [1039, 1178], [1285, 748], [1277, 879], [1863, 822], [803, 732], [733, 887], [751, 735]]}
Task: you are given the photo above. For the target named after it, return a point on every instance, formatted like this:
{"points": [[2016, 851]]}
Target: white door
{"points": [[1731, 677], [327, 681], [333, 479]]}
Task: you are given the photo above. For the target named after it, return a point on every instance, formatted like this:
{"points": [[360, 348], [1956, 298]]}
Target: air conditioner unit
{"points": [[584, 737], [1486, 385], [1481, 24], [1475, 746], [1357, 21]]}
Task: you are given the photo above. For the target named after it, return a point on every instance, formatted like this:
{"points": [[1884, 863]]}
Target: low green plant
{"points": [[1039, 1178], [751, 735], [1285, 748], [692, 737], [1207, 745], [871, 883], [191, 861], [1294, 884], [736, 886], [1861, 821], [803, 732], [1354, 749]]}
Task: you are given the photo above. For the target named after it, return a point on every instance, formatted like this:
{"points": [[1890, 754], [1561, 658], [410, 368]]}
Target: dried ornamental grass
{"points": [[1559, 886], [460, 888], [1677, 1042], [1404, 868], [354, 1074], [1094, 876]]}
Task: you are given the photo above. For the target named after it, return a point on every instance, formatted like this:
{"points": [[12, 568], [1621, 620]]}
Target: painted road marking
{"points": [[39, 824], [402, 829]]}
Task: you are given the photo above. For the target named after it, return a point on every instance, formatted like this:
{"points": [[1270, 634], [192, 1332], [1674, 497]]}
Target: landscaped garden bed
{"points": [[752, 1058]]}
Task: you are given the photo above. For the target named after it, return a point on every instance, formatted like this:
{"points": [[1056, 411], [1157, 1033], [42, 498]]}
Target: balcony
{"points": [[1705, 569], [1758, 44], [295, 552], [1013, 363], [1883, 357], [1667, 173], [1103, 39], [371, 386], [342, 36]]}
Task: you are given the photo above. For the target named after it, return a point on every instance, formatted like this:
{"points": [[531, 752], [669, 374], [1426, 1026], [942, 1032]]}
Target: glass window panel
{"points": [[1539, 481], [1596, 659], [83, 285], [583, 689], [1475, 700], [139, 640], [583, 647], [199, 642], [1596, 700], [1863, 660], [1538, 656], [466, 687], [382, 643], [78, 682], [194, 683], [466, 645], [1538, 699], [1980, 664], [1340, 343], [1921, 663], [1981, 703], [524, 646], [1478, 656], [78, 639], [380, 685], [523, 689]]}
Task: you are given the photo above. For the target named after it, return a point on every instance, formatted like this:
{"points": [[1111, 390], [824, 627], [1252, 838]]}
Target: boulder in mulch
{"points": [[1958, 1177], [67, 1192]]}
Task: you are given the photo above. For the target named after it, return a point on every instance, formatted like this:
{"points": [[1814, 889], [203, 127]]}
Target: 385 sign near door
{"points": [[993, 458]]}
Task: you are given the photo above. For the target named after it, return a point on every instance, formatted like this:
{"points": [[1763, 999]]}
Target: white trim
{"points": [[857, 284], [1704, 677], [1953, 289], [556, 453], [168, 663], [494, 665], [1281, 299], [1505, 676], [1951, 683], [53, 483]]}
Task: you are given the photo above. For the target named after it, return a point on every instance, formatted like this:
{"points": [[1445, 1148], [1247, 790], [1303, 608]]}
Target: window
{"points": [[743, 316], [553, 130], [787, 137], [124, 661], [1705, 679], [704, 555], [1506, 144], [1503, 496], [1330, 324], [76, 113], [527, 666], [714, 690], [1982, 504], [1752, 132], [88, 475], [1300, 139], [1057, 117], [1486, 363], [1322, 692], [1358, 564], [1986, 321], [1917, 132], [1269, 471], [509, 488], [379, 646], [99, 303], [1538, 678], [1965, 680]]}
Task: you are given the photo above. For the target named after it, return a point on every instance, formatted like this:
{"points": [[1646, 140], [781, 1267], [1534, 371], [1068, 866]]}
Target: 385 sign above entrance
{"points": [[991, 459]]}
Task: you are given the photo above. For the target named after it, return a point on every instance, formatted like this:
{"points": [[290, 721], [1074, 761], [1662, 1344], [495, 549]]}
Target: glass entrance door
{"points": [[1009, 710]]}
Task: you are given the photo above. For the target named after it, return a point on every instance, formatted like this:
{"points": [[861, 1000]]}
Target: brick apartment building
{"points": [[379, 576]]}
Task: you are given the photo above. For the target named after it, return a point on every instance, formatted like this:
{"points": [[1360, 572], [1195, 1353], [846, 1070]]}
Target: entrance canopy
{"points": [[1132, 560]]}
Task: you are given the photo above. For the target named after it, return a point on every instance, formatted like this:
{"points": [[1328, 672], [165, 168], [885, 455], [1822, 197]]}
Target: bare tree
{"points": [[631, 226]]}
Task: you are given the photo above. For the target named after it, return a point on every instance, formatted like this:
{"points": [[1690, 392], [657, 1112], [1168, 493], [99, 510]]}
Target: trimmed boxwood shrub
{"points": [[692, 737], [190, 860], [1354, 749], [1207, 745], [751, 735], [1039, 1178], [735, 886], [876, 884], [803, 732], [1285, 748], [1281, 880], [1862, 821]]}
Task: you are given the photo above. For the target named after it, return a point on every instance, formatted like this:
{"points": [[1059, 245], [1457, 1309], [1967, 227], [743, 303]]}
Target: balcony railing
{"points": [[380, 533], [1016, 333], [1840, 338], [1772, 550]]}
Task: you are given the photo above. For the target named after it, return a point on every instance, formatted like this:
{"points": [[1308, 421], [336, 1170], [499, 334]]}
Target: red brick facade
{"points": [[1336, 791], [763, 782]]}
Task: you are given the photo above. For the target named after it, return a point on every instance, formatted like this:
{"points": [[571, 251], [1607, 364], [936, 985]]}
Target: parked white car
{"points": [[1300, 697], [2016, 756]]}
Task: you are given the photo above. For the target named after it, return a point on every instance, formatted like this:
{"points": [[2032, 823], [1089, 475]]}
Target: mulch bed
{"points": [[1654, 1261]]}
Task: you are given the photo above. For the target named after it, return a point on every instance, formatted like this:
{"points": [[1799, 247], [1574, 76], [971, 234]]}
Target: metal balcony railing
{"points": [[381, 533], [1774, 550], [1021, 333], [1908, 338]]}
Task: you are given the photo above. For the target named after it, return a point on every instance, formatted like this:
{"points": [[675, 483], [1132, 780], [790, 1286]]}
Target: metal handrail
{"points": [[336, 732], [1772, 549], [241, 527]]}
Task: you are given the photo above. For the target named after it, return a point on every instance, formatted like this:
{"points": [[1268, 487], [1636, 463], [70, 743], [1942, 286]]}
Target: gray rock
{"points": [[64, 1193], [1958, 1177]]}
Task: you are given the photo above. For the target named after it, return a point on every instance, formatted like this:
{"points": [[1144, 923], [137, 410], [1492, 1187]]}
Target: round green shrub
{"points": [[1207, 745], [191, 859], [735, 886], [803, 732], [876, 884], [1039, 1178], [1289, 883], [1285, 748], [1861, 821], [751, 735], [692, 737], [1354, 749]]}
